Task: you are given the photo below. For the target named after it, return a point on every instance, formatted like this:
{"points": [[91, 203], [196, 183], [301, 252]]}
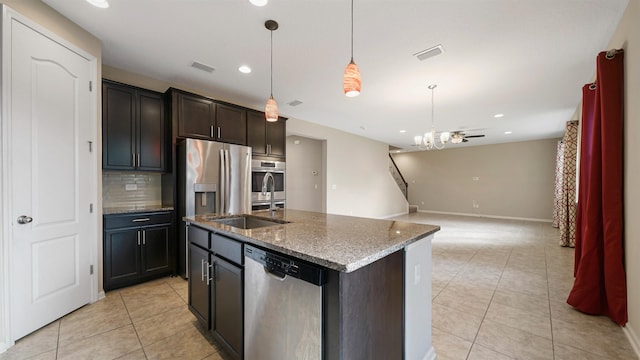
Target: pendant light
{"points": [[351, 81], [271, 108], [428, 141]]}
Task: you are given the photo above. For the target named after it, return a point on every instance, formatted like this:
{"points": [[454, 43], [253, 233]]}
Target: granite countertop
{"points": [[135, 209], [342, 243]]}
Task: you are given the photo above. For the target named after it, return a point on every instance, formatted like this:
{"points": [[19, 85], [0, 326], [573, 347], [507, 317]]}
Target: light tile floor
{"points": [[146, 321], [499, 290]]}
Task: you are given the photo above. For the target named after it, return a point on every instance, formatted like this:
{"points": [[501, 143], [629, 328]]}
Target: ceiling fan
{"points": [[458, 136]]}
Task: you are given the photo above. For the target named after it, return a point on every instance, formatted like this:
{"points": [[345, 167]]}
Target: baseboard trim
{"points": [[633, 338], [431, 355], [393, 215], [486, 216]]}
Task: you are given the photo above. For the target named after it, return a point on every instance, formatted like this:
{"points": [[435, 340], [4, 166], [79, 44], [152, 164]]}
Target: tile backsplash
{"points": [[130, 188]]}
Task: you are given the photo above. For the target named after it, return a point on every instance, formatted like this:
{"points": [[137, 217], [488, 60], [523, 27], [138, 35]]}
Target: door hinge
{"points": [[91, 208], [90, 269], [90, 85], [90, 146]]}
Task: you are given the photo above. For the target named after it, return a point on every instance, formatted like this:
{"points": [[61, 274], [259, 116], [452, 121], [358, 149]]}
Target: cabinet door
{"points": [[151, 131], [121, 257], [231, 124], [198, 284], [118, 127], [155, 250], [257, 133], [277, 138], [226, 305], [196, 116]]}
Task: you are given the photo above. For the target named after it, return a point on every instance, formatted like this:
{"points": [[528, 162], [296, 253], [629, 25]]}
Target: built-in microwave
{"points": [[259, 168]]}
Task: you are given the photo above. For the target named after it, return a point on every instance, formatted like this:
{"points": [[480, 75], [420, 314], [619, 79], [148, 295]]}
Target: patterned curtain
{"points": [[557, 203], [567, 210]]}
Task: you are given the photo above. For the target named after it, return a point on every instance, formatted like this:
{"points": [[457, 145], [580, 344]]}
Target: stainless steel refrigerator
{"points": [[212, 177]]}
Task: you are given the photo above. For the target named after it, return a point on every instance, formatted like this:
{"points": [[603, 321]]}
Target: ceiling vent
{"points": [[295, 103], [430, 52], [203, 67]]}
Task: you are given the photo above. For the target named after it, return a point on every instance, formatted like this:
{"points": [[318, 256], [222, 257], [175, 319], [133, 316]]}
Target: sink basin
{"points": [[247, 222]]}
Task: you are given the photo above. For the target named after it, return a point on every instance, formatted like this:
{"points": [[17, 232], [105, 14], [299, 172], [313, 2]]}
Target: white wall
{"points": [[513, 179], [358, 181], [627, 36], [305, 189]]}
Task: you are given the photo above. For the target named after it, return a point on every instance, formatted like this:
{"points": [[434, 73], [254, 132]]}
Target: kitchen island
{"points": [[376, 301]]}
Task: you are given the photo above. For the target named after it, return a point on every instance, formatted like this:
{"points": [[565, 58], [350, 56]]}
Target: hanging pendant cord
{"points": [[271, 63], [351, 30], [432, 118]]}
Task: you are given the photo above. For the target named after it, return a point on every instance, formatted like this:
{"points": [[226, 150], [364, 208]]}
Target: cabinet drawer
{"points": [[227, 248], [137, 219], [199, 236]]}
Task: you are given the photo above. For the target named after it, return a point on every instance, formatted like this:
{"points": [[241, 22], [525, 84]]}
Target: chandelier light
{"points": [[351, 80], [429, 140], [271, 108]]}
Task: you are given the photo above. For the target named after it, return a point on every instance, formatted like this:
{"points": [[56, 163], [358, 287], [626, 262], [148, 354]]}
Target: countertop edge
{"points": [[346, 268]]}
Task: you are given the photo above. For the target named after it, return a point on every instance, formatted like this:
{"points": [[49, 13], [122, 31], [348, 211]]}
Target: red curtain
{"points": [[600, 285]]}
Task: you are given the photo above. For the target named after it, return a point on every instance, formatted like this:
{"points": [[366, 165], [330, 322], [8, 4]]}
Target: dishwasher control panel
{"points": [[282, 266]]}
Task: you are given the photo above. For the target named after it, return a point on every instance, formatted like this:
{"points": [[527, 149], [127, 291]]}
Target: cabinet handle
{"points": [[144, 237], [209, 266], [133, 159], [218, 132], [141, 219], [201, 269], [138, 159], [268, 148], [211, 131], [138, 233]]}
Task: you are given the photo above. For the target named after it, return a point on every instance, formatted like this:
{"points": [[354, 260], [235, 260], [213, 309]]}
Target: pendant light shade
{"points": [[271, 108], [351, 81]]}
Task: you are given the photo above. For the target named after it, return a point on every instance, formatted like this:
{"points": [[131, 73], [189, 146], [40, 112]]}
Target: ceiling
{"points": [[526, 59]]}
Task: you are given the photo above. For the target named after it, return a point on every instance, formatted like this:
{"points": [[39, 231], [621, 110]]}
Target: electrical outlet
{"points": [[475, 204], [130, 187]]}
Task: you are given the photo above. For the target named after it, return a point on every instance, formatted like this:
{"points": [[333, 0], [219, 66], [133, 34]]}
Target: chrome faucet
{"points": [[265, 183]]}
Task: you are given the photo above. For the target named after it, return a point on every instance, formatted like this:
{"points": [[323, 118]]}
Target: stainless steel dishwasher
{"points": [[282, 307]]}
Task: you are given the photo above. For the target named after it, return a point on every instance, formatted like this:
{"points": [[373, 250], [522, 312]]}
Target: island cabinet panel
{"points": [[199, 294], [267, 139], [133, 128], [136, 248], [363, 311], [216, 288], [226, 294]]}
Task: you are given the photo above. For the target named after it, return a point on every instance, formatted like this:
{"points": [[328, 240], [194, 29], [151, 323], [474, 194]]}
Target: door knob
{"points": [[24, 219]]}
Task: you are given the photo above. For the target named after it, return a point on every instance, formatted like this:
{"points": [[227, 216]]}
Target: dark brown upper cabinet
{"points": [[267, 139], [133, 128], [200, 117], [231, 124]]}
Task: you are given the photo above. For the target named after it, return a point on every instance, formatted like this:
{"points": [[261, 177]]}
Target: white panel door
{"points": [[50, 126]]}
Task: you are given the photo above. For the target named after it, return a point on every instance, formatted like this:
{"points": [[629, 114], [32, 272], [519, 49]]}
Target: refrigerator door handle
{"points": [[223, 184], [227, 180]]}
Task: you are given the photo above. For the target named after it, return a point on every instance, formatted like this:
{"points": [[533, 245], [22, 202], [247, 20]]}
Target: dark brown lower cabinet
{"points": [[216, 287], [226, 302], [134, 253]]}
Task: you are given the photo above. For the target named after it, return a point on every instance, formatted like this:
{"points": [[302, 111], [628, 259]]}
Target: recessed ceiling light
{"points": [[508, 132], [244, 69], [103, 4], [259, 2], [498, 115], [403, 131]]}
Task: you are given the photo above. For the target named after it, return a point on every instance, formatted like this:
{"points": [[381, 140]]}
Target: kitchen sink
{"points": [[247, 222]]}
